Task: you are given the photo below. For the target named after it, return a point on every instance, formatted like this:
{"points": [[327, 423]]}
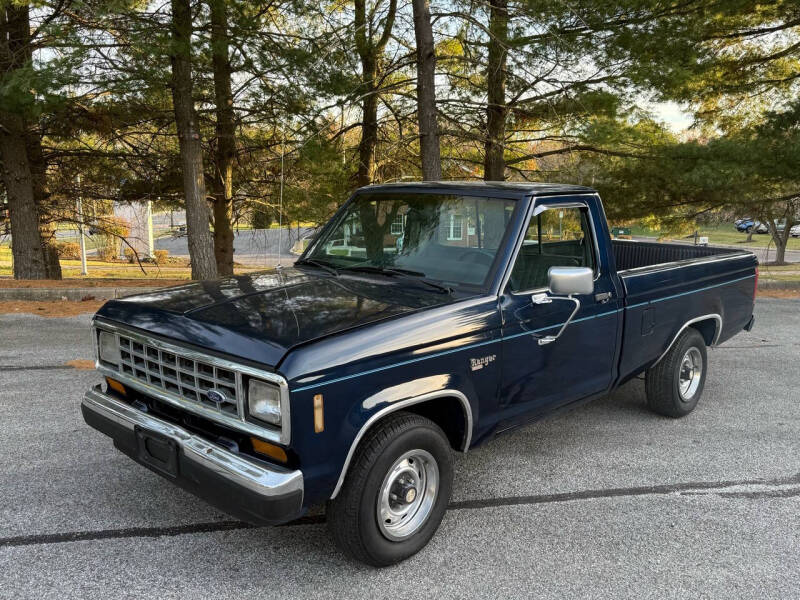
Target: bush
{"points": [[130, 255], [262, 217], [160, 256], [68, 250], [107, 251]]}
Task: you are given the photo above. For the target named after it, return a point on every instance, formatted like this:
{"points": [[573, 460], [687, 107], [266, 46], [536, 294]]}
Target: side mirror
{"points": [[565, 281]]}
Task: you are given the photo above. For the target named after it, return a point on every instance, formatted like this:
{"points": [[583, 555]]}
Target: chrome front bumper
{"points": [[244, 488]]}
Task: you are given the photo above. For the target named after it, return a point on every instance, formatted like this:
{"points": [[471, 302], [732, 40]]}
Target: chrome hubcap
{"points": [[691, 370], [407, 495]]}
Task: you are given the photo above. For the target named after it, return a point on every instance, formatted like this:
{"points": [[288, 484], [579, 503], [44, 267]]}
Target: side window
{"points": [[557, 237]]}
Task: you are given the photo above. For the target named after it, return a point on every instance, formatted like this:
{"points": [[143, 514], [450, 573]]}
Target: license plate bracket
{"points": [[157, 451]]}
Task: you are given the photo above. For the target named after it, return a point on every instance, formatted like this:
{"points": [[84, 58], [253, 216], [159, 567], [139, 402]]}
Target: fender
{"points": [[717, 331], [398, 405]]}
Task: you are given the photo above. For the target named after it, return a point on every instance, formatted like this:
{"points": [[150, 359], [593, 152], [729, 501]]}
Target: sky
{"points": [[672, 115]]}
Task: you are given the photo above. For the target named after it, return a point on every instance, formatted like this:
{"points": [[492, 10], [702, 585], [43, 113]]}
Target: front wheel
{"points": [[395, 493], [674, 384]]}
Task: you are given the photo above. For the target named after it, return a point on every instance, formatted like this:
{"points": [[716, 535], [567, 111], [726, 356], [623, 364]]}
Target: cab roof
{"points": [[518, 187]]}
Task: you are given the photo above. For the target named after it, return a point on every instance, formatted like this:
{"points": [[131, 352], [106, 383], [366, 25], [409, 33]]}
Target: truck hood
{"points": [[261, 316]]}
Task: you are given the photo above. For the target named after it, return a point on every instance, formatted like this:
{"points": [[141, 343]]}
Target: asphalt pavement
{"points": [[607, 501], [250, 246]]}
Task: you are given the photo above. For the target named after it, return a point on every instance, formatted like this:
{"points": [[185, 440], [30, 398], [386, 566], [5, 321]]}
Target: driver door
{"points": [[538, 378]]}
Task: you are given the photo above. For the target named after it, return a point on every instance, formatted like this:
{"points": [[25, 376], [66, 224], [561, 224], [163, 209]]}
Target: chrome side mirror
{"points": [[567, 281]]}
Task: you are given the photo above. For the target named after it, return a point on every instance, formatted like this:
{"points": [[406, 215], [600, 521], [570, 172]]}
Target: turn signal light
{"points": [[268, 449], [319, 414], [116, 386]]}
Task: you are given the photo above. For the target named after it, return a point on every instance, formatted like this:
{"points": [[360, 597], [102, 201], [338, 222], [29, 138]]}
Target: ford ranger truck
{"points": [[424, 318]]}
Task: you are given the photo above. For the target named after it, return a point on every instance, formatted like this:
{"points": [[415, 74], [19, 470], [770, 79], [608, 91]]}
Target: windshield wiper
{"points": [[395, 272], [318, 263]]}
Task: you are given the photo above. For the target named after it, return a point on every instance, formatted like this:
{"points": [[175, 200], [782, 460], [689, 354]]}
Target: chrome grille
{"points": [[182, 376]]}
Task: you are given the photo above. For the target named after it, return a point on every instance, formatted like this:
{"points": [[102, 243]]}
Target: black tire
{"points": [[749, 229], [352, 515], [665, 395]]}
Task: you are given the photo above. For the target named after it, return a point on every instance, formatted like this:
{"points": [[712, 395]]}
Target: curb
{"points": [[73, 294]]}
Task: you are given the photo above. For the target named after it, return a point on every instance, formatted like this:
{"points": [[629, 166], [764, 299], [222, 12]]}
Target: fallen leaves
{"points": [[80, 363], [57, 308]]}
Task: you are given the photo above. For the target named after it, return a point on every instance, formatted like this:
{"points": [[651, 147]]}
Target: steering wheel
{"points": [[476, 257]]}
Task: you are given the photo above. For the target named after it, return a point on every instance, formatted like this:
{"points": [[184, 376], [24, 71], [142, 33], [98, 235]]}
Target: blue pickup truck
{"points": [[423, 318]]}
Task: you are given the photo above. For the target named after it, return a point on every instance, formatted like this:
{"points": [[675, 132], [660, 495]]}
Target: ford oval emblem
{"points": [[216, 396]]}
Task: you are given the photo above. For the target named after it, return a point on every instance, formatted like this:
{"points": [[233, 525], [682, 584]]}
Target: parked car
{"points": [[795, 231], [747, 225], [349, 380]]}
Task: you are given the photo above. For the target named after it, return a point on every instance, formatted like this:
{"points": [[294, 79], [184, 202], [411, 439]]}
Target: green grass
{"points": [[783, 273], [71, 269], [112, 270]]}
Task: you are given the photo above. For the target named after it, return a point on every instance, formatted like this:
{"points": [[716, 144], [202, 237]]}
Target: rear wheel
{"points": [[396, 491], [675, 384]]}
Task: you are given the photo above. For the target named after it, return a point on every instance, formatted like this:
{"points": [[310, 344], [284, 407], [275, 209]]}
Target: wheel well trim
{"points": [[717, 331], [395, 406]]}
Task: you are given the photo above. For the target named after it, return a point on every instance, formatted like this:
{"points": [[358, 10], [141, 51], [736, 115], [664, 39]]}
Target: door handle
{"points": [[603, 297]]}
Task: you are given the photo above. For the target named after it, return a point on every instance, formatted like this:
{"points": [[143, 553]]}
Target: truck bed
{"points": [[630, 254], [667, 285]]}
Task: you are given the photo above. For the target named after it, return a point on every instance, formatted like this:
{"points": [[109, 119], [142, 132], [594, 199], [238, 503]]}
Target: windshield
{"points": [[453, 239]]}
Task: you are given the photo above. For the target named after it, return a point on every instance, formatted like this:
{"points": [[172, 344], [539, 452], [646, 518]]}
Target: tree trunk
{"points": [[781, 239], [780, 252], [494, 166], [27, 247], [369, 136], [201, 247], [226, 141], [24, 168], [41, 197], [369, 50], [430, 153]]}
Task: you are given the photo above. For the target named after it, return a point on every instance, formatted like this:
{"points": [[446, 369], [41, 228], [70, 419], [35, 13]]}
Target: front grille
{"points": [[206, 385], [182, 376]]}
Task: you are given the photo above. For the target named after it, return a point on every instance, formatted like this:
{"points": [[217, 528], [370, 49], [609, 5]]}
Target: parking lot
{"points": [[605, 501]]}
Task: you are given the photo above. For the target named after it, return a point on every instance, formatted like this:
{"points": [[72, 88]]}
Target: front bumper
{"points": [[243, 488]]}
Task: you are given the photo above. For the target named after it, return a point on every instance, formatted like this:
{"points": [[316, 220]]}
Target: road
{"points": [[261, 247], [250, 246], [606, 501]]}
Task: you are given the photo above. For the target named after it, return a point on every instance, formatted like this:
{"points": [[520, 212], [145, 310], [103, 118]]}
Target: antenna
{"points": [[280, 209]]}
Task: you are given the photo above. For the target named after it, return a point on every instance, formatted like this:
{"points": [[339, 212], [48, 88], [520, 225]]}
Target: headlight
{"points": [[107, 347], [264, 401]]}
